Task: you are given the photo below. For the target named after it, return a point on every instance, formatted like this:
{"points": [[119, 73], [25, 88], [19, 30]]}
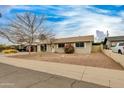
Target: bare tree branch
{"points": [[26, 28]]}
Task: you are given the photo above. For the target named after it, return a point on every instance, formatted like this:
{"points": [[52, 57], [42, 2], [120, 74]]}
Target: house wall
{"points": [[58, 50], [38, 48], [82, 50], [49, 48]]}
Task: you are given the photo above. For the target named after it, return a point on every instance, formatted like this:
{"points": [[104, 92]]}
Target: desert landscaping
{"points": [[94, 59]]}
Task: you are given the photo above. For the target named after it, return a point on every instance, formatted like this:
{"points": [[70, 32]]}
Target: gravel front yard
{"points": [[94, 59]]}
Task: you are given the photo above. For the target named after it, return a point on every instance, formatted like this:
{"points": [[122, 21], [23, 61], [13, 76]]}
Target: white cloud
{"points": [[121, 14], [87, 22], [98, 10], [80, 20]]}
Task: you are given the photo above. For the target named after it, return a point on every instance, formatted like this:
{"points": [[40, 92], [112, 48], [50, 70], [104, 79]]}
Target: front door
{"points": [[43, 47]]}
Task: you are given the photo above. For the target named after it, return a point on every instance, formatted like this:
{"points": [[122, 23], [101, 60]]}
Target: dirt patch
{"points": [[94, 59]]}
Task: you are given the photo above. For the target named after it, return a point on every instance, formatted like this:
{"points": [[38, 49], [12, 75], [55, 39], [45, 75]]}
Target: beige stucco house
{"points": [[82, 44]]}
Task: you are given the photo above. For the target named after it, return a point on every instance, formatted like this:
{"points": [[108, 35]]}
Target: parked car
{"points": [[118, 48]]}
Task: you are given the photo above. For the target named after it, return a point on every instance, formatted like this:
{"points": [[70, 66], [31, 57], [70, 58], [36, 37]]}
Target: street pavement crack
{"points": [[49, 78], [73, 83], [83, 73], [8, 74], [109, 83], [39, 82]]}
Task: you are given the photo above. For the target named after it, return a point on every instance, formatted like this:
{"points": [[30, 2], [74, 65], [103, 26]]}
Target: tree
{"points": [[46, 36], [25, 28]]}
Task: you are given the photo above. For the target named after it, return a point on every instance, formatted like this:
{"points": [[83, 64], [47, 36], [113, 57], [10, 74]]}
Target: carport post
{"points": [[38, 48]]}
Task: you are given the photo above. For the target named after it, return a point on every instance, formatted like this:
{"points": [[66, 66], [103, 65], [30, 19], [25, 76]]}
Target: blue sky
{"points": [[73, 20]]}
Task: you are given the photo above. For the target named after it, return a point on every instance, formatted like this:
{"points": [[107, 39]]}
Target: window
{"points": [[61, 45], [80, 44], [121, 44]]}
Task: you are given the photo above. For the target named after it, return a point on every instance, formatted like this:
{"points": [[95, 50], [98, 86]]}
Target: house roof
{"points": [[75, 39], [116, 38], [46, 41]]}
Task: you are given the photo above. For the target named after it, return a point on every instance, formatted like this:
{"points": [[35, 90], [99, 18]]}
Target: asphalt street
{"points": [[15, 77]]}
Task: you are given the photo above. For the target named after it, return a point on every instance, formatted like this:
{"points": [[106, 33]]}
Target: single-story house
{"points": [[112, 41], [81, 44]]}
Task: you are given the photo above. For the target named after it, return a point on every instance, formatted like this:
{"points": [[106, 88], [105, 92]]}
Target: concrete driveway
{"points": [[16, 77]]}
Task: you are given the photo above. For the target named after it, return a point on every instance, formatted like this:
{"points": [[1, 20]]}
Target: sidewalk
{"points": [[101, 76]]}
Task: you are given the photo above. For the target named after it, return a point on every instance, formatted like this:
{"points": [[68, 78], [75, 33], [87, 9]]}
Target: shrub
{"points": [[8, 51], [69, 49], [4, 47]]}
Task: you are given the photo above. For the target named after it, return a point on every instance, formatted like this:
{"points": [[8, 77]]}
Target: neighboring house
{"points": [[112, 41], [82, 44]]}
